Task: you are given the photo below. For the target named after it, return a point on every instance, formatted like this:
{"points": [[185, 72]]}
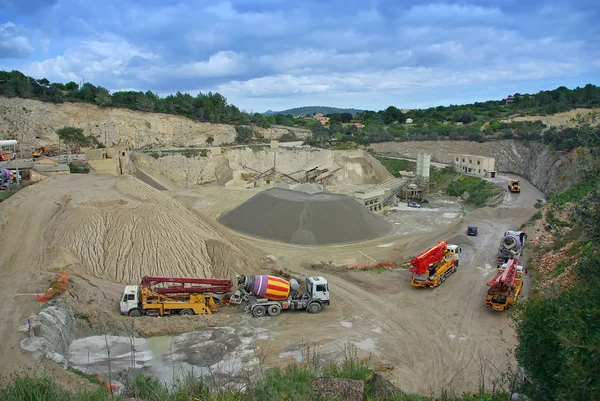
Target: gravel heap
{"points": [[307, 219]]}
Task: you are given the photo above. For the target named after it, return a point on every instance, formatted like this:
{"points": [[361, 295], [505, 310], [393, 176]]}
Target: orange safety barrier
{"points": [[110, 387], [59, 286]]}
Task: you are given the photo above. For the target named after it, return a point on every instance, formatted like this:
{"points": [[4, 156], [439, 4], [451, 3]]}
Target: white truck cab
{"points": [[130, 299], [318, 288], [454, 250]]}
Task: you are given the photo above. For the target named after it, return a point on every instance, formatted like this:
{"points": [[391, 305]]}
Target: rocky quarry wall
{"points": [[356, 166], [549, 171], [34, 123]]}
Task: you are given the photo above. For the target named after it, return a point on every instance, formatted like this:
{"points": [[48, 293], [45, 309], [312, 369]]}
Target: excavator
{"points": [[505, 287], [160, 295], [514, 186], [432, 267]]}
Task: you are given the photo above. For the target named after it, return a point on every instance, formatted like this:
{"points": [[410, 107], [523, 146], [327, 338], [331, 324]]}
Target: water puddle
{"points": [[219, 351]]}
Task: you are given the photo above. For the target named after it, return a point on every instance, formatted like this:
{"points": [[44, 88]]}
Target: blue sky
{"points": [[277, 54]]}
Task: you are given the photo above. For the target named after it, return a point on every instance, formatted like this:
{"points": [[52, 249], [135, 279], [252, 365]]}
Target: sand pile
{"points": [[307, 219], [121, 229]]}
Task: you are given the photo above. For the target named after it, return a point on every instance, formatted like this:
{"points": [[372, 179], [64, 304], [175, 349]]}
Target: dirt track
{"points": [[434, 339]]}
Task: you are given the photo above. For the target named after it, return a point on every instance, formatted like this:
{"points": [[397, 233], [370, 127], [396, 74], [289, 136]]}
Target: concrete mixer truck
{"points": [[511, 247], [264, 294]]}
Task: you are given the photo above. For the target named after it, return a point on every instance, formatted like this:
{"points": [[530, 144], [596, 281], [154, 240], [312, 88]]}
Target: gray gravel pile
{"points": [[306, 219]]}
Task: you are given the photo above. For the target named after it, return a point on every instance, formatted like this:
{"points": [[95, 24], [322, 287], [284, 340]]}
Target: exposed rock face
{"points": [[34, 123], [549, 171], [356, 166]]}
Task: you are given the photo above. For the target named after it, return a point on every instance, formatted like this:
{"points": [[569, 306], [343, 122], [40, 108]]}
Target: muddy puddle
{"points": [[214, 352]]}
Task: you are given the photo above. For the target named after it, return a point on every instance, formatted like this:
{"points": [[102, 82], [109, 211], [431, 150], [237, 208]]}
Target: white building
{"points": [[478, 166]]}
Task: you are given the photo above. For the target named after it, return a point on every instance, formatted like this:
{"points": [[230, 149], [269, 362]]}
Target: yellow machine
{"points": [[45, 151], [431, 268], [505, 287], [514, 186], [159, 296]]}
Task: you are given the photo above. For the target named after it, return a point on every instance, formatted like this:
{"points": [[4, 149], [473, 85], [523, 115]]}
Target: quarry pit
{"points": [[190, 216]]}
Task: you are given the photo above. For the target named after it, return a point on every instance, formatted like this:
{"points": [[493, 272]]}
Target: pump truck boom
{"points": [[432, 267], [159, 296], [505, 287], [270, 294]]}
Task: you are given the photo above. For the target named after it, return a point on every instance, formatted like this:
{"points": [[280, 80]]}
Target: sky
{"points": [[278, 54]]}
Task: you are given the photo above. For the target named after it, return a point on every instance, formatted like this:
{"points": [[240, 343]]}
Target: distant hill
{"points": [[308, 110]]}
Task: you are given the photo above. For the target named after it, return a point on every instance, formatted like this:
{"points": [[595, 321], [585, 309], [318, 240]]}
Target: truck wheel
{"points": [[135, 313], [274, 310], [259, 311], [186, 312], [314, 307]]}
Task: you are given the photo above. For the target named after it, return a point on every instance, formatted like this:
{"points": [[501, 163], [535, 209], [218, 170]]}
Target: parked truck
{"points": [[159, 296], [266, 294], [505, 287], [432, 267], [511, 247], [45, 151]]}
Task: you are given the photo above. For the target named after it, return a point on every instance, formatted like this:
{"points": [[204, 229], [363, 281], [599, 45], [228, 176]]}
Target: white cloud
{"points": [[89, 60], [14, 42]]}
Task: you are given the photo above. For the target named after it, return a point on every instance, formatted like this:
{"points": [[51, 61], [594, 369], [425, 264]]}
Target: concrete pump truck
{"points": [[432, 267]]}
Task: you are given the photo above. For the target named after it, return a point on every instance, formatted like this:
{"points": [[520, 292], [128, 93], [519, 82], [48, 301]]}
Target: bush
{"points": [[79, 167], [244, 134]]}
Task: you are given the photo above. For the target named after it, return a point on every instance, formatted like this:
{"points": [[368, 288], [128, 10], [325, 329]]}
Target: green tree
{"points": [[71, 86], [72, 137], [210, 140], [244, 134], [346, 117], [102, 97]]}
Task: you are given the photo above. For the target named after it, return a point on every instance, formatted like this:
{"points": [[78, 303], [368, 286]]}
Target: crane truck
{"points": [[159, 296], [505, 287], [511, 247], [432, 267], [265, 294], [514, 186]]}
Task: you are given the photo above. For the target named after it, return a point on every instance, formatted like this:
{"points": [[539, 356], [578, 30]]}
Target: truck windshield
{"points": [[322, 288]]}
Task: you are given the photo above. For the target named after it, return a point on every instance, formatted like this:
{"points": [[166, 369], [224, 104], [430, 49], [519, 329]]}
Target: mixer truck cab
{"points": [[318, 289]]}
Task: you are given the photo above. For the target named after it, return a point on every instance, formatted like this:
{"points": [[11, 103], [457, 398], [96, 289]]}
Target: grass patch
{"points": [[4, 195], [575, 193], [479, 190], [560, 268], [440, 178], [292, 382], [394, 166]]}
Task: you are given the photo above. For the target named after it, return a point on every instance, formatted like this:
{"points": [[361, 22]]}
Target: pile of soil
{"points": [[303, 218], [120, 229]]}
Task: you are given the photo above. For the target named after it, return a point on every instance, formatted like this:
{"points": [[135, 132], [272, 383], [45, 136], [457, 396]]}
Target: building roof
{"points": [[17, 164]]}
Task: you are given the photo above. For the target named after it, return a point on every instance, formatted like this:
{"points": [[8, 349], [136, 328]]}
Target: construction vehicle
{"points": [[269, 294], [511, 246], [45, 151], [514, 186], [159, 296], [432, 267], [505, 287]]}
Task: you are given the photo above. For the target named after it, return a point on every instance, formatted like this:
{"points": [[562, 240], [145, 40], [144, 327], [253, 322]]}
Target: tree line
{"points": [[205, 107], [473, 122]]}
